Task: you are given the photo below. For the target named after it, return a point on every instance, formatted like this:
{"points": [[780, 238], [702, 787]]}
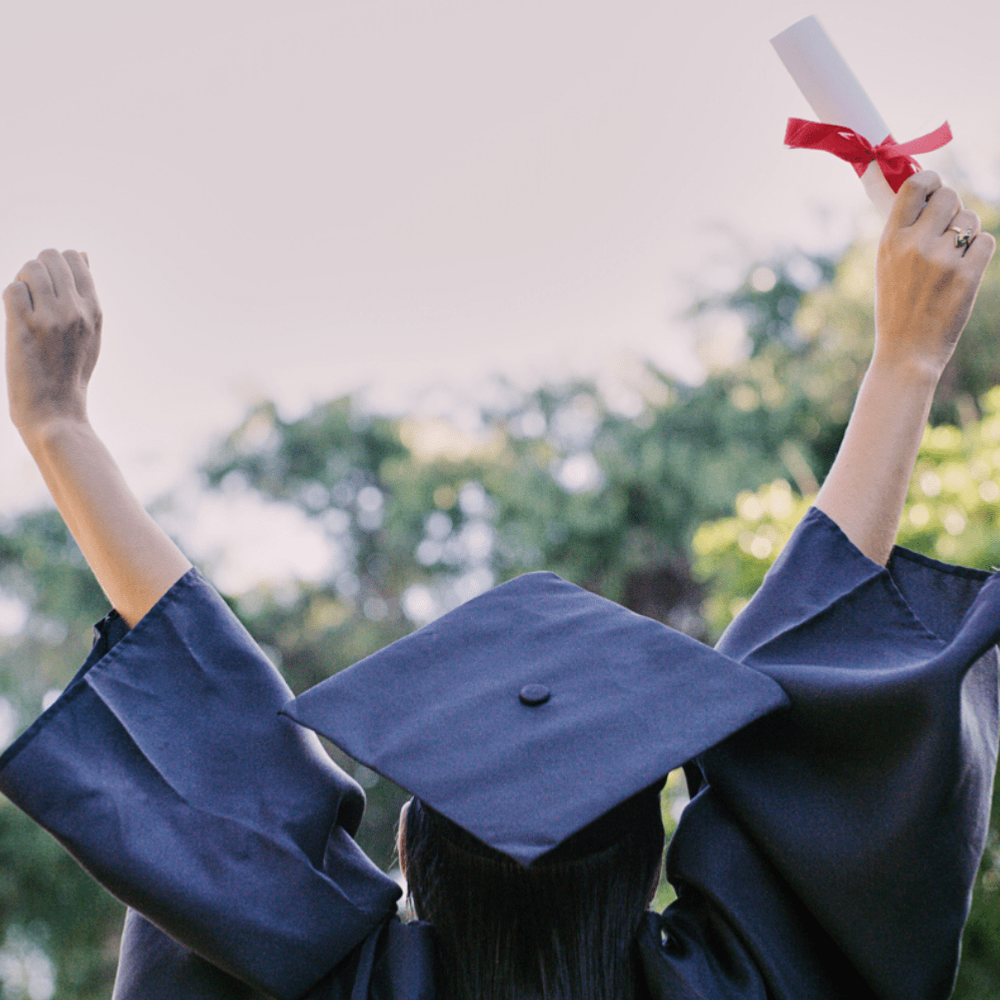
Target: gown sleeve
{"points": [[165, 769], [832, 847]]}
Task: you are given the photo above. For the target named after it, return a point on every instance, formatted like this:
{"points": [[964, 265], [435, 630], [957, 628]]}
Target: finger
{"points": [[17, 300], [912, 197], [981, 250], [36, 276], [964, 220], [942, 206], [963, 230], [80, 268], [62, 277]]}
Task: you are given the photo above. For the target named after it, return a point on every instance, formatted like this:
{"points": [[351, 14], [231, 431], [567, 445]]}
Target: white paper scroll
{"points": [[835, 94]]}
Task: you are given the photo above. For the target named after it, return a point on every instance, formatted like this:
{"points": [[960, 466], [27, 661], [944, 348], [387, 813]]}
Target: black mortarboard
{"points": [[533, 709]]}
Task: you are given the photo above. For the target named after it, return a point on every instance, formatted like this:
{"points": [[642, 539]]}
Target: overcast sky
{"points": [[393, 195]]}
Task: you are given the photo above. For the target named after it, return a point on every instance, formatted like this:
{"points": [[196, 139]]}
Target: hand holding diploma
{"points": [[931, 261], [850, 127], [926, 280]]}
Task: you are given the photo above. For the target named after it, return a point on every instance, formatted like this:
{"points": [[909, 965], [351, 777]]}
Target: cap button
{"points": [[534, 694]]}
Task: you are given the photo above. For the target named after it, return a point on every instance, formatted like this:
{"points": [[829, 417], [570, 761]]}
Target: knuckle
{"points": [[968, 222], [947, 198], [923, 180], [16, 289]]}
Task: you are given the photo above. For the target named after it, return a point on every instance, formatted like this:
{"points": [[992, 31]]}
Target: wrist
{"points": [[47, 437], [908, 371]]}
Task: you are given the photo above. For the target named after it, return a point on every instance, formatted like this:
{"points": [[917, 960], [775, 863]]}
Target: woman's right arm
{"points": [[53, 340], [926, 286]]}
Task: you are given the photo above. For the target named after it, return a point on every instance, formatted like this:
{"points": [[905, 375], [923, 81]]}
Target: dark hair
{"points": [[562, 929]]}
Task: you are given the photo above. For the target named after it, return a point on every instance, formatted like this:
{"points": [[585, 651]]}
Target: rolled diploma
{"points": [[835, 94]]}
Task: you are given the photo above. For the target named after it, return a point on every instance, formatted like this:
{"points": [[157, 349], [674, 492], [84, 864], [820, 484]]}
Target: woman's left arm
{"points": [[926, 287]]}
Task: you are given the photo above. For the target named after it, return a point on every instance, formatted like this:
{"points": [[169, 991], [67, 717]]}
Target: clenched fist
{"points": [[53, 340]]}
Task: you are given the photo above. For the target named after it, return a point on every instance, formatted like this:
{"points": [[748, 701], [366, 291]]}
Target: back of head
{"points": [[562, 928]]}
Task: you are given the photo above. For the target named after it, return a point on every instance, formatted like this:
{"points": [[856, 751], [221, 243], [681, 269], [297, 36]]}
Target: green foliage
{"points": [[43, 574], [734, 553], [952, 512]]}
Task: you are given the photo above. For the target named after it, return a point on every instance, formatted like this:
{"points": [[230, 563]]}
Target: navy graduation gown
{"points": [[829, 851]]}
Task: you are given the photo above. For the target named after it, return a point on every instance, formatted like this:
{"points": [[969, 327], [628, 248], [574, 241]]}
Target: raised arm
{"points": [[53, 340], [926, 286]]}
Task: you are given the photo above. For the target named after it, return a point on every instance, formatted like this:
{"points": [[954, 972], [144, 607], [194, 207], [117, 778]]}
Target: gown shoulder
{"points": [[838, 840]]}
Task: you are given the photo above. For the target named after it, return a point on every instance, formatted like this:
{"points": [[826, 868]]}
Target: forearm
{"points": [[866, 488], [133, 559]]}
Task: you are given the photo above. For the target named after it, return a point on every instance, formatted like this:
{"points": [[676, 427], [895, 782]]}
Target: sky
{"points": [[405, 198]]}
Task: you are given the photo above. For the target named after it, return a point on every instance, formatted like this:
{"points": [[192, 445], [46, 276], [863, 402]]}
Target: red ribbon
{"points": [[895, 159]]}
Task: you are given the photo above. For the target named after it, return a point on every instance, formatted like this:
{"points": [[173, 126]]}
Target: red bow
{"points": [[895, 159]]}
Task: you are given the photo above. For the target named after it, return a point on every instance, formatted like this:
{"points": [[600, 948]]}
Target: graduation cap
{"points": [[529, 712]]}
